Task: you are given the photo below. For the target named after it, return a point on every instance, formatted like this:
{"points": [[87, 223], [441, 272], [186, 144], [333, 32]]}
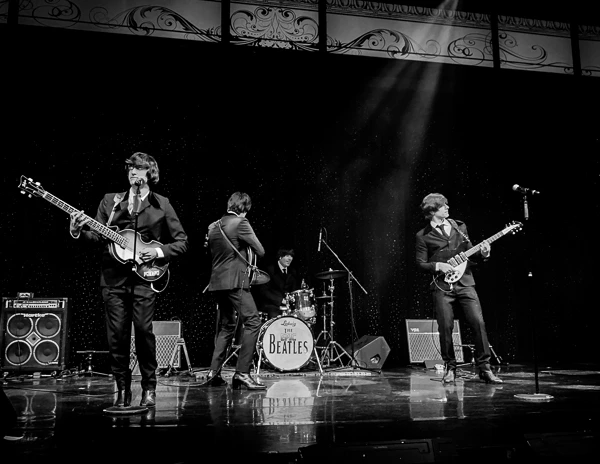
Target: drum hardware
{"points": [[332, 351], [286, 343], [303, 304], [331, 275]]}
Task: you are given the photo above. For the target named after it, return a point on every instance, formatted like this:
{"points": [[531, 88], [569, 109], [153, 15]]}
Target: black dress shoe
{"points": [[214, 379], [489, 377], [123, 399], [247, 381], [449, 375], [148, 398]]}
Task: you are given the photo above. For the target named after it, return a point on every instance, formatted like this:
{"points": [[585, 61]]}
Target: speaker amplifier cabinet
{"points": [[34, 334], [370, 351], [424, 340]]}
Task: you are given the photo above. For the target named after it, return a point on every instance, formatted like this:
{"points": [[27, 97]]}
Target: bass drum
{"points": [[286, 343]]}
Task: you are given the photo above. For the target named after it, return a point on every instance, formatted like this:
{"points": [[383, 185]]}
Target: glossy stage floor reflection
{"points": [[403, 414]]}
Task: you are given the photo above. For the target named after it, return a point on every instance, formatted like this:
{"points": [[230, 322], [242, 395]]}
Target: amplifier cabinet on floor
{"points": [[34, 334], [424, 340], [370, 351]]}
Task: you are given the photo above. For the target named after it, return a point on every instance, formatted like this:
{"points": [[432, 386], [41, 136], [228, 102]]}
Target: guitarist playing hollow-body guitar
{"points": [[444, 239], [127, 286]]}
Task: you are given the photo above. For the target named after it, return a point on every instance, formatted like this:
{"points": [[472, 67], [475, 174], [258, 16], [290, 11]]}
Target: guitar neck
{"points": [[93, 224], [491, 239]]}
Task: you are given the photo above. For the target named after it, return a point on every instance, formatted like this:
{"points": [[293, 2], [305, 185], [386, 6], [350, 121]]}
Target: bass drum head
{"points": [[287, 343]]}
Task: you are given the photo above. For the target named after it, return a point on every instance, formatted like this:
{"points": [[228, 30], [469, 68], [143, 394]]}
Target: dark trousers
{"points": [[230, 302], [122, 308], [466, 298]]}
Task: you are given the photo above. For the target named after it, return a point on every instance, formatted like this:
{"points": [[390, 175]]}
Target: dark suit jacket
{"points": [[157, 221], [432, 247], [271, 293], [228, 269]]}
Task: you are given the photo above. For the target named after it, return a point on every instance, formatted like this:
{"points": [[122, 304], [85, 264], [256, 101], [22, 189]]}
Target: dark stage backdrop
{"points": [[351, 144]]}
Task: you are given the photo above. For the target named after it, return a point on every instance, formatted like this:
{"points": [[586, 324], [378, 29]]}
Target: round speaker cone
{"points": [[18, 353], [48, 325], [19, 326], [46, 352]]}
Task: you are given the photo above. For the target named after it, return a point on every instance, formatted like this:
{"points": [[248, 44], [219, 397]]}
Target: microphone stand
{"points": [[350, 279], [537, 396], [131, 410]]}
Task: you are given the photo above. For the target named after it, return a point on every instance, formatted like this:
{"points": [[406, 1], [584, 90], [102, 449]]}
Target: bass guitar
{"points": [[459, 261], [123, 242]]}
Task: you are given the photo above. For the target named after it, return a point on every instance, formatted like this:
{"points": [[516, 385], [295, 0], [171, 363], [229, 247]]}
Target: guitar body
{"points": [[456, 274], [150, 271], [461, 258]]}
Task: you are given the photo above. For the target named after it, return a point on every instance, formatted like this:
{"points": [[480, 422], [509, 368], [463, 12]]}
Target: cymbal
{"points": [[331, 274], [324, 297]]}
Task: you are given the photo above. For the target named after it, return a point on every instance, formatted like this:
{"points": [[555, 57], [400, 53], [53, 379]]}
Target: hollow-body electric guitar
{"points": [[459, 261], [123, 242]]}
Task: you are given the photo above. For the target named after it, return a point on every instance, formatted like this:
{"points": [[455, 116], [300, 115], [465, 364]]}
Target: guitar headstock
{"points": [[31, 188], [514, 227]]}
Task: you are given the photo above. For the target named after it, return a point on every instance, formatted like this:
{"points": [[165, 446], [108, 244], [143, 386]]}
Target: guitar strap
{"points": [[232, 245], [455, 225], [117, 200]]}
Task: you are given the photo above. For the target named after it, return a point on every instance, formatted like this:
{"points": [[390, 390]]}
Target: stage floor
{"points": [[403, 414]]}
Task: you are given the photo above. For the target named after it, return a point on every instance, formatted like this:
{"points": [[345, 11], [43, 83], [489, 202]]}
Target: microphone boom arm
{"points": [[344, 266]]}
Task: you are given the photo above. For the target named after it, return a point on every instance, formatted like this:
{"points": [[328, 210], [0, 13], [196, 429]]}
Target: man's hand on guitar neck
{"points": [[78, 220], [486, 249]]}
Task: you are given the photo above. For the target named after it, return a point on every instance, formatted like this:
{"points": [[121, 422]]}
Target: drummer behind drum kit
{"points": [[287, 343]]}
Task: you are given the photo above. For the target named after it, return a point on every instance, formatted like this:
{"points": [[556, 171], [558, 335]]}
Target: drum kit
{"points": [[287, 343]]}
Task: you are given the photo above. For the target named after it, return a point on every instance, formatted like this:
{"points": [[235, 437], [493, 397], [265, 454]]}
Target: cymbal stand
{"points": [[326, 334], [333, 351]]}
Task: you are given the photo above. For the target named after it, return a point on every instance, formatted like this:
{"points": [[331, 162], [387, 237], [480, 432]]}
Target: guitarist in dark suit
{"points": [[230, 282], [127, 297], [283, 280], [440, 240]]}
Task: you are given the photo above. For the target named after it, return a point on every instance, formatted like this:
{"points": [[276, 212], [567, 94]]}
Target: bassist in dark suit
{"points": [[128, 298], [440, 240], [230, 282]]}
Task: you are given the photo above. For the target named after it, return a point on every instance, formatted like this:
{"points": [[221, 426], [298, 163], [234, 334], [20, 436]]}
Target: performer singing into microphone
{"points": [[440, 240], [127, 297]]}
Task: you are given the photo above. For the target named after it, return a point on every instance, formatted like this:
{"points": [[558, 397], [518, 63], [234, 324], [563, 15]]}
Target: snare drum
{"points": [[303, 303], [286, 342]]}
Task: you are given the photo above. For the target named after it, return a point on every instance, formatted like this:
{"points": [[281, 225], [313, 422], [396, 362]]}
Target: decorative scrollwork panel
{"points": [[183, 19], [274, 27]]}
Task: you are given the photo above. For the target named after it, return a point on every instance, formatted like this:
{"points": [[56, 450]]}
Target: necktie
{"points": [[284, 271], [443, 231]]}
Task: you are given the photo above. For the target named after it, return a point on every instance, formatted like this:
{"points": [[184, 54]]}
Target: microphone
{"points": [[139, 182], [518, 188], [320, 239]]}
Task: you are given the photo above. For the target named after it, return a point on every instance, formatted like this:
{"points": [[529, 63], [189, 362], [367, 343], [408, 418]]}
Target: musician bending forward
{"points": [[128, 297], [230, 283], [440, 240]]}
